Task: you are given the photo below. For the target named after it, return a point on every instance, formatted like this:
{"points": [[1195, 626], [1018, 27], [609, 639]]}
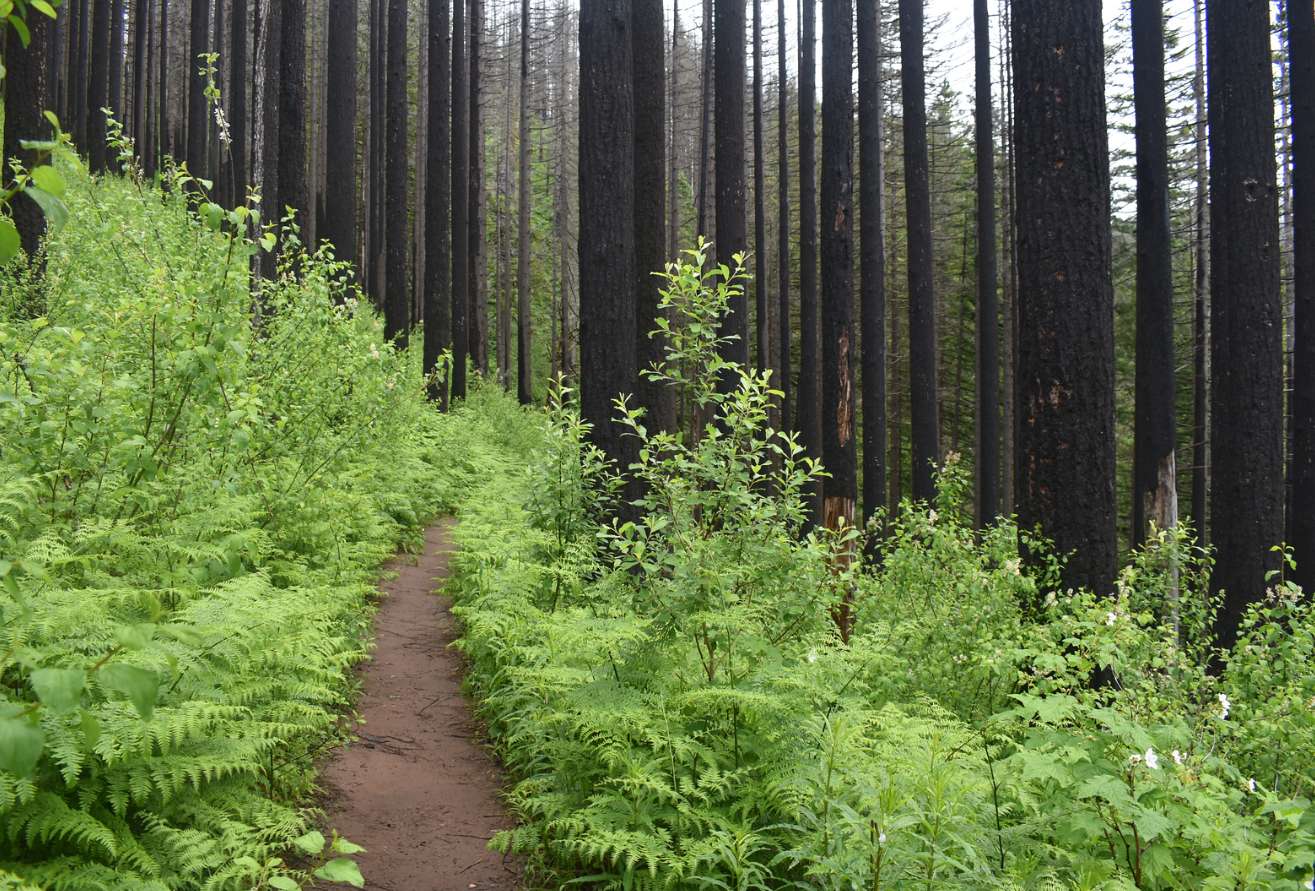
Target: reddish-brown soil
{"points": [[416, 789]]}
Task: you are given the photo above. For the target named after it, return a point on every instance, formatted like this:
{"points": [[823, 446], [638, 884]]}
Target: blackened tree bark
{"points": [[1065, 288], [162, 113], [1246, 310], [705, 115], [760, 199], [1200, 284], [438, 200], [217, 162], [115, 97], [477, 269], [872, 255], [98, 86], [839, 449], [607, 222], [1155, 491], [524, 390], [924, 424], [808, 414], [74, 118], [1301, 77], [146, 87], [24, 88], [783, 220], [237, 101], [197, 110], [374, 240], [728, 167], [988, 307], [397, 305], [265, 133], [136, 95], [292, 112], [460, 205], [658, 399]]}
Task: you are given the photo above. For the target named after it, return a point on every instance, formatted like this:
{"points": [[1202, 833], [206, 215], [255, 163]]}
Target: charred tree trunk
{"points": [[872, 255], [1155, 491], [705, 124], [760, 198], [162, 113], [658, 399], [524, 379], [24, 91], [728, 172], [607, 222], [808, 415], [1065, 288], [374, 261], [924, 423], [98, 86], [340, 150], [140, 71], [460, 204], [292, 112], [1301, 77], [478, 243], [115, 97], [988, 309], [783, 382], [1246, 310], [438, 200], [194, 65], [397, 303], [265, 136], [1201, 280]]}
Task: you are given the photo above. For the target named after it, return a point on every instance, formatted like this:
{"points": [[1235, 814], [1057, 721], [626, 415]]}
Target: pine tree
{"points": [[438, 201], [460, 205], [1246, 320], [728, 171], [783, 382], [265, 133], [24, 87], [197, 107], [763, 318], [808, 416], [1065, 288], [988, 323], [872, 255], [292, 191], [477, 268], [396, 296], [98, 86], [1200, 284], [340, 152]]}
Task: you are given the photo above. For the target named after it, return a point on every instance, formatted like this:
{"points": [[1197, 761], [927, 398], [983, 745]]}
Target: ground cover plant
{"points": [[193, 509], [679, 711]]}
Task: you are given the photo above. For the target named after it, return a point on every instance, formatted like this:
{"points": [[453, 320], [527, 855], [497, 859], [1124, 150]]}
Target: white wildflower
{"points": [[881, 839], [1134, 759], [1152, 759], [1177, 758], [931, 515], [812, 655], [1050, 598], [374, 351], [1109, 618], [1224, 705], [223, 127]]}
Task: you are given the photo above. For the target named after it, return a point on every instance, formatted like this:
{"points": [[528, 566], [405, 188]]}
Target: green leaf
{"points": [[20, 746], [42, 7], [48, 179], [52, 207], [21, 27], [90, 729], [343, 846], [182, 633], [341, 870], [138, 684], [59, 689], [312, 842], [10, 244], [135, 637], [283, 883]]}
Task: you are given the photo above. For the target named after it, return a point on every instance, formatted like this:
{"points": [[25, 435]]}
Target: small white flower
{"points": [[1251, 785], [1134, 759], [223, 126], [812, 655], [1224, 705], [881, 839], [1152, 759], [1177, 758], [374, 351], [1109, 618], [931, 515]]}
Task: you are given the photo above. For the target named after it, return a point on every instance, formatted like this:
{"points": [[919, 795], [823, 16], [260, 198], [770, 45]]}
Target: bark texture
{"points": [[872, 255], [783, 379], [397, 304], [1301, 74], [729, 86], [988, 303], [98, 86], [292, 111], [808, 415], [460, 206], [197, 107], [438, 200], [340, 150], [24, 88], [1065, 379]]}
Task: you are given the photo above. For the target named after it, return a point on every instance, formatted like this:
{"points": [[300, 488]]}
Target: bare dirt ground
{"points": [[417, 790]]}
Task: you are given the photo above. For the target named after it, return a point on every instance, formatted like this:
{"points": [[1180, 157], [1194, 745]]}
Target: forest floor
{"points": [[417, 789]]}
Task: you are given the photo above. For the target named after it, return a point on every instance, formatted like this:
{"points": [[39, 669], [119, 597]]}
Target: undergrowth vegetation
{"points": [[193, 510], [679, 711]]}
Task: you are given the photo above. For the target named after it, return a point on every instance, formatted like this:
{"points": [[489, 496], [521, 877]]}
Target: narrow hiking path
{"points": [[416, 790]]}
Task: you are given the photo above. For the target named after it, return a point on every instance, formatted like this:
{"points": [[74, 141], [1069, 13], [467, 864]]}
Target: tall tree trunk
{"points": [[460, 202], [292, 111], [340, 154], [728, 172], [216, 163], [673, 165], [374, 261], [1008, 315], [98, 85], [397, 303], [658, 399], [265, 136], [1301, 78], [608, 363], [149, 88], [237, 102], [1155, 491], [71, 117], [1246, 311], [1200, 381], [924, 438], [839, 449], [197, 111], [808, 405], [25, 90], [115, 97], [438, 200], [1066, 308], [705, 121], [524, 378], [760, 199], [783, 219], [872, 255], [478, 244], [162, 113], [988, 310], [140, 71]]}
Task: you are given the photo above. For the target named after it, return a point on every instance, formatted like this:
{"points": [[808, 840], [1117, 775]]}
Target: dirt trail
{"points": [[416, 789]]}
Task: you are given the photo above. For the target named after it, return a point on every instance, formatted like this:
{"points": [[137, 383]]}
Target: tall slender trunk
{"points": [[197, 111], [438, 200], [74, 102], [808, 415], [396, 296], [24, 87], [147, 93], [728, 171], [265, 136], [162, 114], [988, 310], [374, 263], [118, 13], [1066, 289], [460, 204], [872, 255], [216, 163], [98, 85], [524, 378], [673, 168], [705, 125], [924, 439], [478, 244], [292, 111], [139, 90], [1200, 285], [760, 198], [1301, 79], [1009, 315], [783, 382], [656, 398]]}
